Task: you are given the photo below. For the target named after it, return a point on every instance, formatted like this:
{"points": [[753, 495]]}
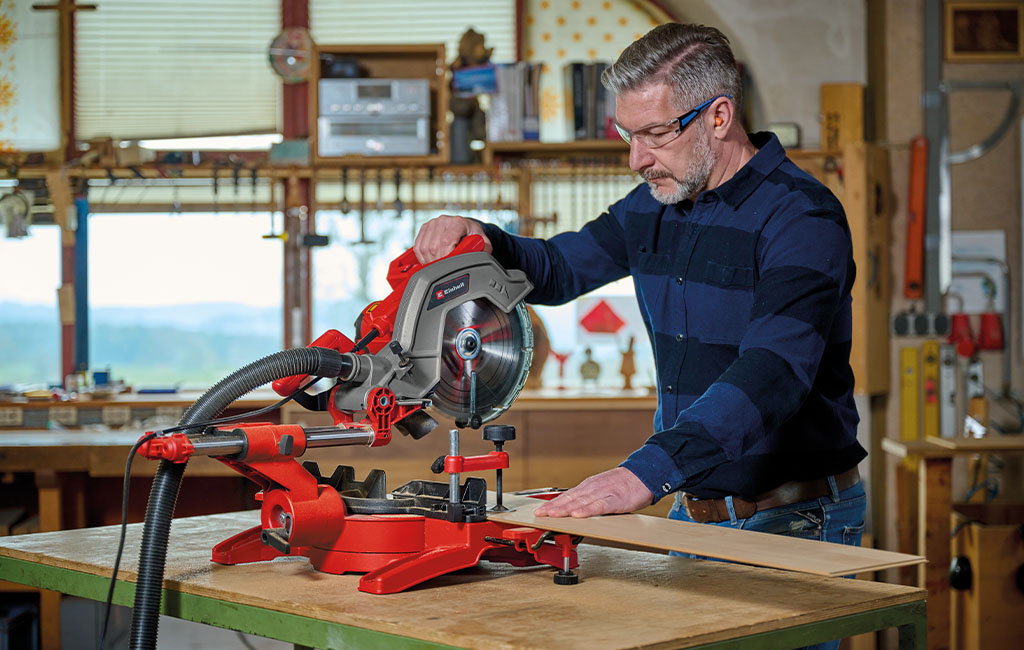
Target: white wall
{"points": [[790, 48]]}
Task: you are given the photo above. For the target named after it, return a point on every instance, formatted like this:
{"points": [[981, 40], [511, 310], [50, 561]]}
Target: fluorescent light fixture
{"points": [[260, 142]]}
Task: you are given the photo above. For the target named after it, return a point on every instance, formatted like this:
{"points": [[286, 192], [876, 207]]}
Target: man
{"points": [[742, 266]]}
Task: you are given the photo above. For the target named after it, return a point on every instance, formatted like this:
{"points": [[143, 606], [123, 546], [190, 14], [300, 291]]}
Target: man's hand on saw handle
{"points": [[439, 236], [617, 490]]}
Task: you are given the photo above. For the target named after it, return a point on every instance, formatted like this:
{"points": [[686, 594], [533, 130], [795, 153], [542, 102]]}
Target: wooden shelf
{"points": [[535, 149]]}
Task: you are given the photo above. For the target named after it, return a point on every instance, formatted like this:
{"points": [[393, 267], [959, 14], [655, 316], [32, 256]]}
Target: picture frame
{"points": [[984, 32]]}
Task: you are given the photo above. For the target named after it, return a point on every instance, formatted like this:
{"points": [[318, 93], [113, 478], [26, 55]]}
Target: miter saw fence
{"points": [[454, 330]]}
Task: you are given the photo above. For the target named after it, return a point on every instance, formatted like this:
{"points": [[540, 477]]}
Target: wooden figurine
{"points": [[628, 367]]}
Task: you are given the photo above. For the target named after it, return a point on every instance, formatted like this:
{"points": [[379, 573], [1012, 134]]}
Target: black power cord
{"points": [[127, 481], [124, 529]]}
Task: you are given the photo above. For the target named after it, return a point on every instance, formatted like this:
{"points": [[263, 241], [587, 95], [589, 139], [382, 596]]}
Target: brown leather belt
{"points": [[710, 511]]}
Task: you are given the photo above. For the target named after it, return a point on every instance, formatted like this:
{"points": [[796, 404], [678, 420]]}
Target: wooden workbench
{"points": [[935, 506], [114, 410], [626, 599]]}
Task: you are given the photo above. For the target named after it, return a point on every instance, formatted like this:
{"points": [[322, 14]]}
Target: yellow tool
{"points": [[930, 388], [910, 394]]}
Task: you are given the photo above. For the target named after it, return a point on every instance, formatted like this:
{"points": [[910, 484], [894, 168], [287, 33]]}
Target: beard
{"points": [[702, 161]]}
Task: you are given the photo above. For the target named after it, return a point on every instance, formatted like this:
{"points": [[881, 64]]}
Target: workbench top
{"points": [[625, 599]]}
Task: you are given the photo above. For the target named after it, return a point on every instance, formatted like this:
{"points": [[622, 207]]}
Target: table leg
{"points": [[935, 503], [48, 487], [913, 636]]}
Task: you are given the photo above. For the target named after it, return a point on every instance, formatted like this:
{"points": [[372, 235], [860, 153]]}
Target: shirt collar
{"points": [[770, 155]]}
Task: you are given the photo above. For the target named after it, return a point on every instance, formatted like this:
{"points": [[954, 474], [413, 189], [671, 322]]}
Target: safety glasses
{"points": [[660, 135]]}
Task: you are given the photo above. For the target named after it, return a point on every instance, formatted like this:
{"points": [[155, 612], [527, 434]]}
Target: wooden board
{"points": [[994, 443], [744, 546], [933, 447], [672, 602]]}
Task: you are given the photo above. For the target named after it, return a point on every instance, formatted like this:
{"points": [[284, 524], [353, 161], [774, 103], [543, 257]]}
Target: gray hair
{"points": [[694, 60]]}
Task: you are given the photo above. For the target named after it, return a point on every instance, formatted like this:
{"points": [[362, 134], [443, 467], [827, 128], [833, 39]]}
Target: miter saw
{"points": [[454, 333]]}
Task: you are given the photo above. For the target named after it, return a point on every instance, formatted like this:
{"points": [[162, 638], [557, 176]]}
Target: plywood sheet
{"points": [[672, 602], [747, 547]]}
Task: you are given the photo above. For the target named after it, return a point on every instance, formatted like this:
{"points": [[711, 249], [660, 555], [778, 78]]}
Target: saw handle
{"points": [[403, 266], [331, 339]]}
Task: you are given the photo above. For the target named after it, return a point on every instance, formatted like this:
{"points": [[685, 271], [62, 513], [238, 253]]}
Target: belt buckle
{"points": [[699, 517]]}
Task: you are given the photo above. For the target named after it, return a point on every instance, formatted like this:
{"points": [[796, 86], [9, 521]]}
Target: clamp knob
{"points": [[498, 433]]}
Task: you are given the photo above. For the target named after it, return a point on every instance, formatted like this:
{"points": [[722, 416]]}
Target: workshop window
{"points": [[182, 299], [29, 277], [172, 69]]}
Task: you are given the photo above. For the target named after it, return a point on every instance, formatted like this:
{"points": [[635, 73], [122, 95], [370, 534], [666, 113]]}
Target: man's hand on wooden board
{"points": [[617, 490]]}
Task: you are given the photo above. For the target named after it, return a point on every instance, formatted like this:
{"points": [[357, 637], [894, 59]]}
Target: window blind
{"points": [[411, 21], [175, 69]]}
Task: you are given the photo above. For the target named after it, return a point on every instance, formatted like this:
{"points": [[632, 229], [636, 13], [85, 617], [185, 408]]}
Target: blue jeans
{"points": [[837, 518]]}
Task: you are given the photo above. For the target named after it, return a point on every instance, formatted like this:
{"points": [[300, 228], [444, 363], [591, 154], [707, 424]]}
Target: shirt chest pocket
{"points": [[729, 277], [724, 300]]}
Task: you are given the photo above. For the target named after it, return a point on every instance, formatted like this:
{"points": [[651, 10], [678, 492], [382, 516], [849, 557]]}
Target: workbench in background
{"points": [[934, 458], [116, 411], [625, 599]]}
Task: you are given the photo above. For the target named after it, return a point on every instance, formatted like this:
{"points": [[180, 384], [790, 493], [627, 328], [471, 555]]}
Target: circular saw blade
{"points": [[501, 365]]}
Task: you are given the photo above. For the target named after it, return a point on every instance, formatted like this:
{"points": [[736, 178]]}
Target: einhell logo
{"points": [[449, 289]]}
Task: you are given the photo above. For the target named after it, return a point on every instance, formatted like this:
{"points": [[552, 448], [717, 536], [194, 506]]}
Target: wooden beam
{"points": [[935, 494], [66, 10]]}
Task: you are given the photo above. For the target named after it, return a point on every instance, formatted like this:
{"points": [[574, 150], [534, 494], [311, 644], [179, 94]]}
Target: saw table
{"points": [[626, 598]]}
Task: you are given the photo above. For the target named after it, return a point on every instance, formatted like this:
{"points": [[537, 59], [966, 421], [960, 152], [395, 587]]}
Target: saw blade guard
{"points": [[463, 339]]}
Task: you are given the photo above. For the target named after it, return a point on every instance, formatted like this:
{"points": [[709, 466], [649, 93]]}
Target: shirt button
{"points": [[643, 249], [666, 488], [668, 389], [679, 337], [679, 280]]}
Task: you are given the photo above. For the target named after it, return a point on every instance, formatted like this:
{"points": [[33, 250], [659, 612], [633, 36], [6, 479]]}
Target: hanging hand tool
{"points": [[913, 287], [254, 174], [398, 189], [362, 210], [344, 206], [379, 207], [214, 177], [236, 176]]}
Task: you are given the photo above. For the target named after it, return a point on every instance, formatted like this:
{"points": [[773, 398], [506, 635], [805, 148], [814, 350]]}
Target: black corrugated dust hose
{"points": [[320, 362]]}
